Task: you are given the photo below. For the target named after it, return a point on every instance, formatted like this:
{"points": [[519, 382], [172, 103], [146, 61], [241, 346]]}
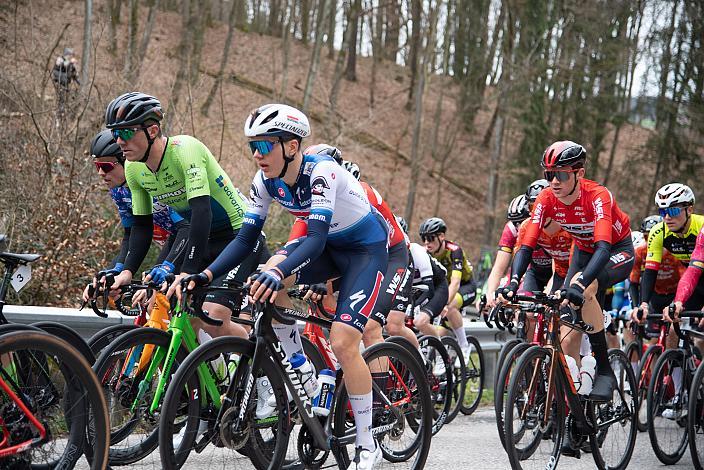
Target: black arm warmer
{"points": [[647, 284], [236, 251], [175, 249], [140, 238], [602, 252], [428, 282], [124, 246], [521, 261], [308, 250], [633, 291], [201, 217]]}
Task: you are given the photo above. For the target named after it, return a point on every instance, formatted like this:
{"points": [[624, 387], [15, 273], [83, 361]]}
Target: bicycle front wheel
{"points": [[534, 415], [439, 377], [695, 425], [459, 379], [474, 370]]}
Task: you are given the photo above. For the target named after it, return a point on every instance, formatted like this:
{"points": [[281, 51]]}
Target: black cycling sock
{"points": [[601, 352]]}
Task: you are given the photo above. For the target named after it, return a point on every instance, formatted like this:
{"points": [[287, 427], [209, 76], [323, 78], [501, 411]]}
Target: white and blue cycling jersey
{"points": [[164, 216], [323, 191]]}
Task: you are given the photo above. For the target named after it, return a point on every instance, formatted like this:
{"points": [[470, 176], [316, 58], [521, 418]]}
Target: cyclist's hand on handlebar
{"points": [[122, 279], [506, 293], [191, 281], [637, 315], [490, 300], [139, 297], [316, 292], [158, 273], [670, 313], [267, 285], [574, 294]]}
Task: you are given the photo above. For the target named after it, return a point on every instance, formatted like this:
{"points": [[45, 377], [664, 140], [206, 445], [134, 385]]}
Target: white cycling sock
{"points": [[461, 337], [290, 338], [362, 409], [677, 378]]}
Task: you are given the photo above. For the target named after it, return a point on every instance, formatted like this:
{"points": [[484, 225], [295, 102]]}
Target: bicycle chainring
{"points": [[311, 456], [233, 440]]}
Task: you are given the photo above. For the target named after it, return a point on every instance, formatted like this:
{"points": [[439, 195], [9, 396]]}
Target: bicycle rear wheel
{"points": [[459, 379], [501, 390], [475, 377], [534, 426], [439, 377], [403, 429], [57, 385], [645, 374]]}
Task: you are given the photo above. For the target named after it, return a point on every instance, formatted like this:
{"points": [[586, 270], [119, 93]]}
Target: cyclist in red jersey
{"points": [[556, 247], [602, 256]]}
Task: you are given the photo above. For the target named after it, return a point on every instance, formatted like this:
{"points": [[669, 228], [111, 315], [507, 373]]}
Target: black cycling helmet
{"points": [[402, 223], [534, 189], [650, 222], [104, 145], [132, 109], [518, 209], [564, 153], [325, 149], [432, 226]]}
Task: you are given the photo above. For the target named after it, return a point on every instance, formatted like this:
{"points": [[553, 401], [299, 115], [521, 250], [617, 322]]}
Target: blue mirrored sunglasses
{"points": [[263, 146], [671, 211]]}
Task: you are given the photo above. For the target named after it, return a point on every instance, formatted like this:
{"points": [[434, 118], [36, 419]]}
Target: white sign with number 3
{"points": [[21, 277]]}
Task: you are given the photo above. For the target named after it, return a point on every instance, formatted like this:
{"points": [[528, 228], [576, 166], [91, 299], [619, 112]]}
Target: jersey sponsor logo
{"points": [[254, 192], [174, 141], [356, 298], [698, 264], [170, 194], [332, 176], [617, 258], [308, 168], [194, 172], [537, 213], [598, 209], [319, 217], [220, 180], [249, 220], [292, 126], [282, 193], [345, 317], [171, 184], [319, 185]]}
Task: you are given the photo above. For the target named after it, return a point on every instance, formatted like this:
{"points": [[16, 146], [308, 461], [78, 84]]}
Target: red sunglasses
{"points": [[107, 167]]}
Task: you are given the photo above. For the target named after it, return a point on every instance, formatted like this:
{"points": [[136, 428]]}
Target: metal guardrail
{"points": [[86, 323]]}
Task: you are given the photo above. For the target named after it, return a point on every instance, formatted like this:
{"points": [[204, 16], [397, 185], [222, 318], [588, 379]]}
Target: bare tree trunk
{"points": [[393, 26], [112, 26], [416, 23], [133, 26], [274, 24], [184, 55], [315, 59], [285, 49], [337, 75], [492, 192], [87, 43], [376, 28], [353, 27], [305, 21], [332, 24], [147, 34], [200, 13], [231, 22], [242, 13]]}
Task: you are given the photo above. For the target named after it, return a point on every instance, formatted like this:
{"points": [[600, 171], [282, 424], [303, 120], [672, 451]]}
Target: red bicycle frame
{"points": [[6, 451]]}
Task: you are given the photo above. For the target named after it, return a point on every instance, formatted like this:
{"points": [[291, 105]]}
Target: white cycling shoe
{"points": [[366, 459], [266, 402], [178, 438]]}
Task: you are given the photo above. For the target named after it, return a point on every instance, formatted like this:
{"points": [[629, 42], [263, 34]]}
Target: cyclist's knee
{"points": [[344, 340], [372, 333], [421, 320]]}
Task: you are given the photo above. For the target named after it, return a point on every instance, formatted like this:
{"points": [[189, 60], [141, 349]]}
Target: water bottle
{"points": [[574, 372], [218, 364], [306, 373], [586, 375], [323, 401]]}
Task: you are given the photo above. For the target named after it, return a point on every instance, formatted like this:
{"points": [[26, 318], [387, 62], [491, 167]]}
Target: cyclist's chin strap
{"points": [[574, 188], [287, 160], [149, 147]]}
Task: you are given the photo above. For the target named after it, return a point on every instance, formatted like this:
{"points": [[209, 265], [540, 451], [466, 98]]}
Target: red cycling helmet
{"points": [[563, 153]]}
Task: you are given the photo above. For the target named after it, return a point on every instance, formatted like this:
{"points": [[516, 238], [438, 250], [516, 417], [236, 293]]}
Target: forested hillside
{"points": [[446, 105]]}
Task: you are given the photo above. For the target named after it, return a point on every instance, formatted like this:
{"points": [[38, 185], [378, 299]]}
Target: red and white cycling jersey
{"points": [[556, 247], [507, 242], [593, 217]]}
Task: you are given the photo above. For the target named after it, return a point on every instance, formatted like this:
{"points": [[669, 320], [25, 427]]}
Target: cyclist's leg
{"points": [[431, 310], [362, 270], [465, 295], [396, 321]]}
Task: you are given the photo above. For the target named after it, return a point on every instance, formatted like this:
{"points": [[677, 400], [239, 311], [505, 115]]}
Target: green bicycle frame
{"points": [[181, 331]]}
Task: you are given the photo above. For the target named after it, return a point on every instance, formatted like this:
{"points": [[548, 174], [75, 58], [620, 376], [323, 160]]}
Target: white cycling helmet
{"points": [[325, 149], [674, 194], [637, 237], [518, 209], [352, 168], [277, 120]]}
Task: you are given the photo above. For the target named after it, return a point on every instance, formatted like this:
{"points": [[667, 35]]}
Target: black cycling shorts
{"points": [[617, 269], [466, 293], [535, 279], [434, 306], [396, 278]]}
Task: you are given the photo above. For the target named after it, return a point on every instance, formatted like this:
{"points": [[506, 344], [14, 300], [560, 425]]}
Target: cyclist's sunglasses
{"points": [[671, 211], [126, 133], [561, 175], [263, 146], [107, 167], [428, 238]]}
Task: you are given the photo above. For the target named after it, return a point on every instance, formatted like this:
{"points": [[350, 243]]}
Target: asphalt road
{"points": [[469, 442]]}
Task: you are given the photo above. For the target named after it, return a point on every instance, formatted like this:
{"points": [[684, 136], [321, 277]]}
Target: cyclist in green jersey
{"points": [[462, 288], [181, 172]]}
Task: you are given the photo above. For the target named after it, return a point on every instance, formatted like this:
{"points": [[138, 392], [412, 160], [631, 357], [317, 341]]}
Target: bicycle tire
{"points": [[69, 335], [645, 374], [83, 382], [225, 345], [507, 346], [104, 337], [658, 389], [475, 378], [624, 375], [459, 379], [138, 337], [555, 430], [510, 361], [421, 446], [441, 399], [634, 351], [695, 423]]}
